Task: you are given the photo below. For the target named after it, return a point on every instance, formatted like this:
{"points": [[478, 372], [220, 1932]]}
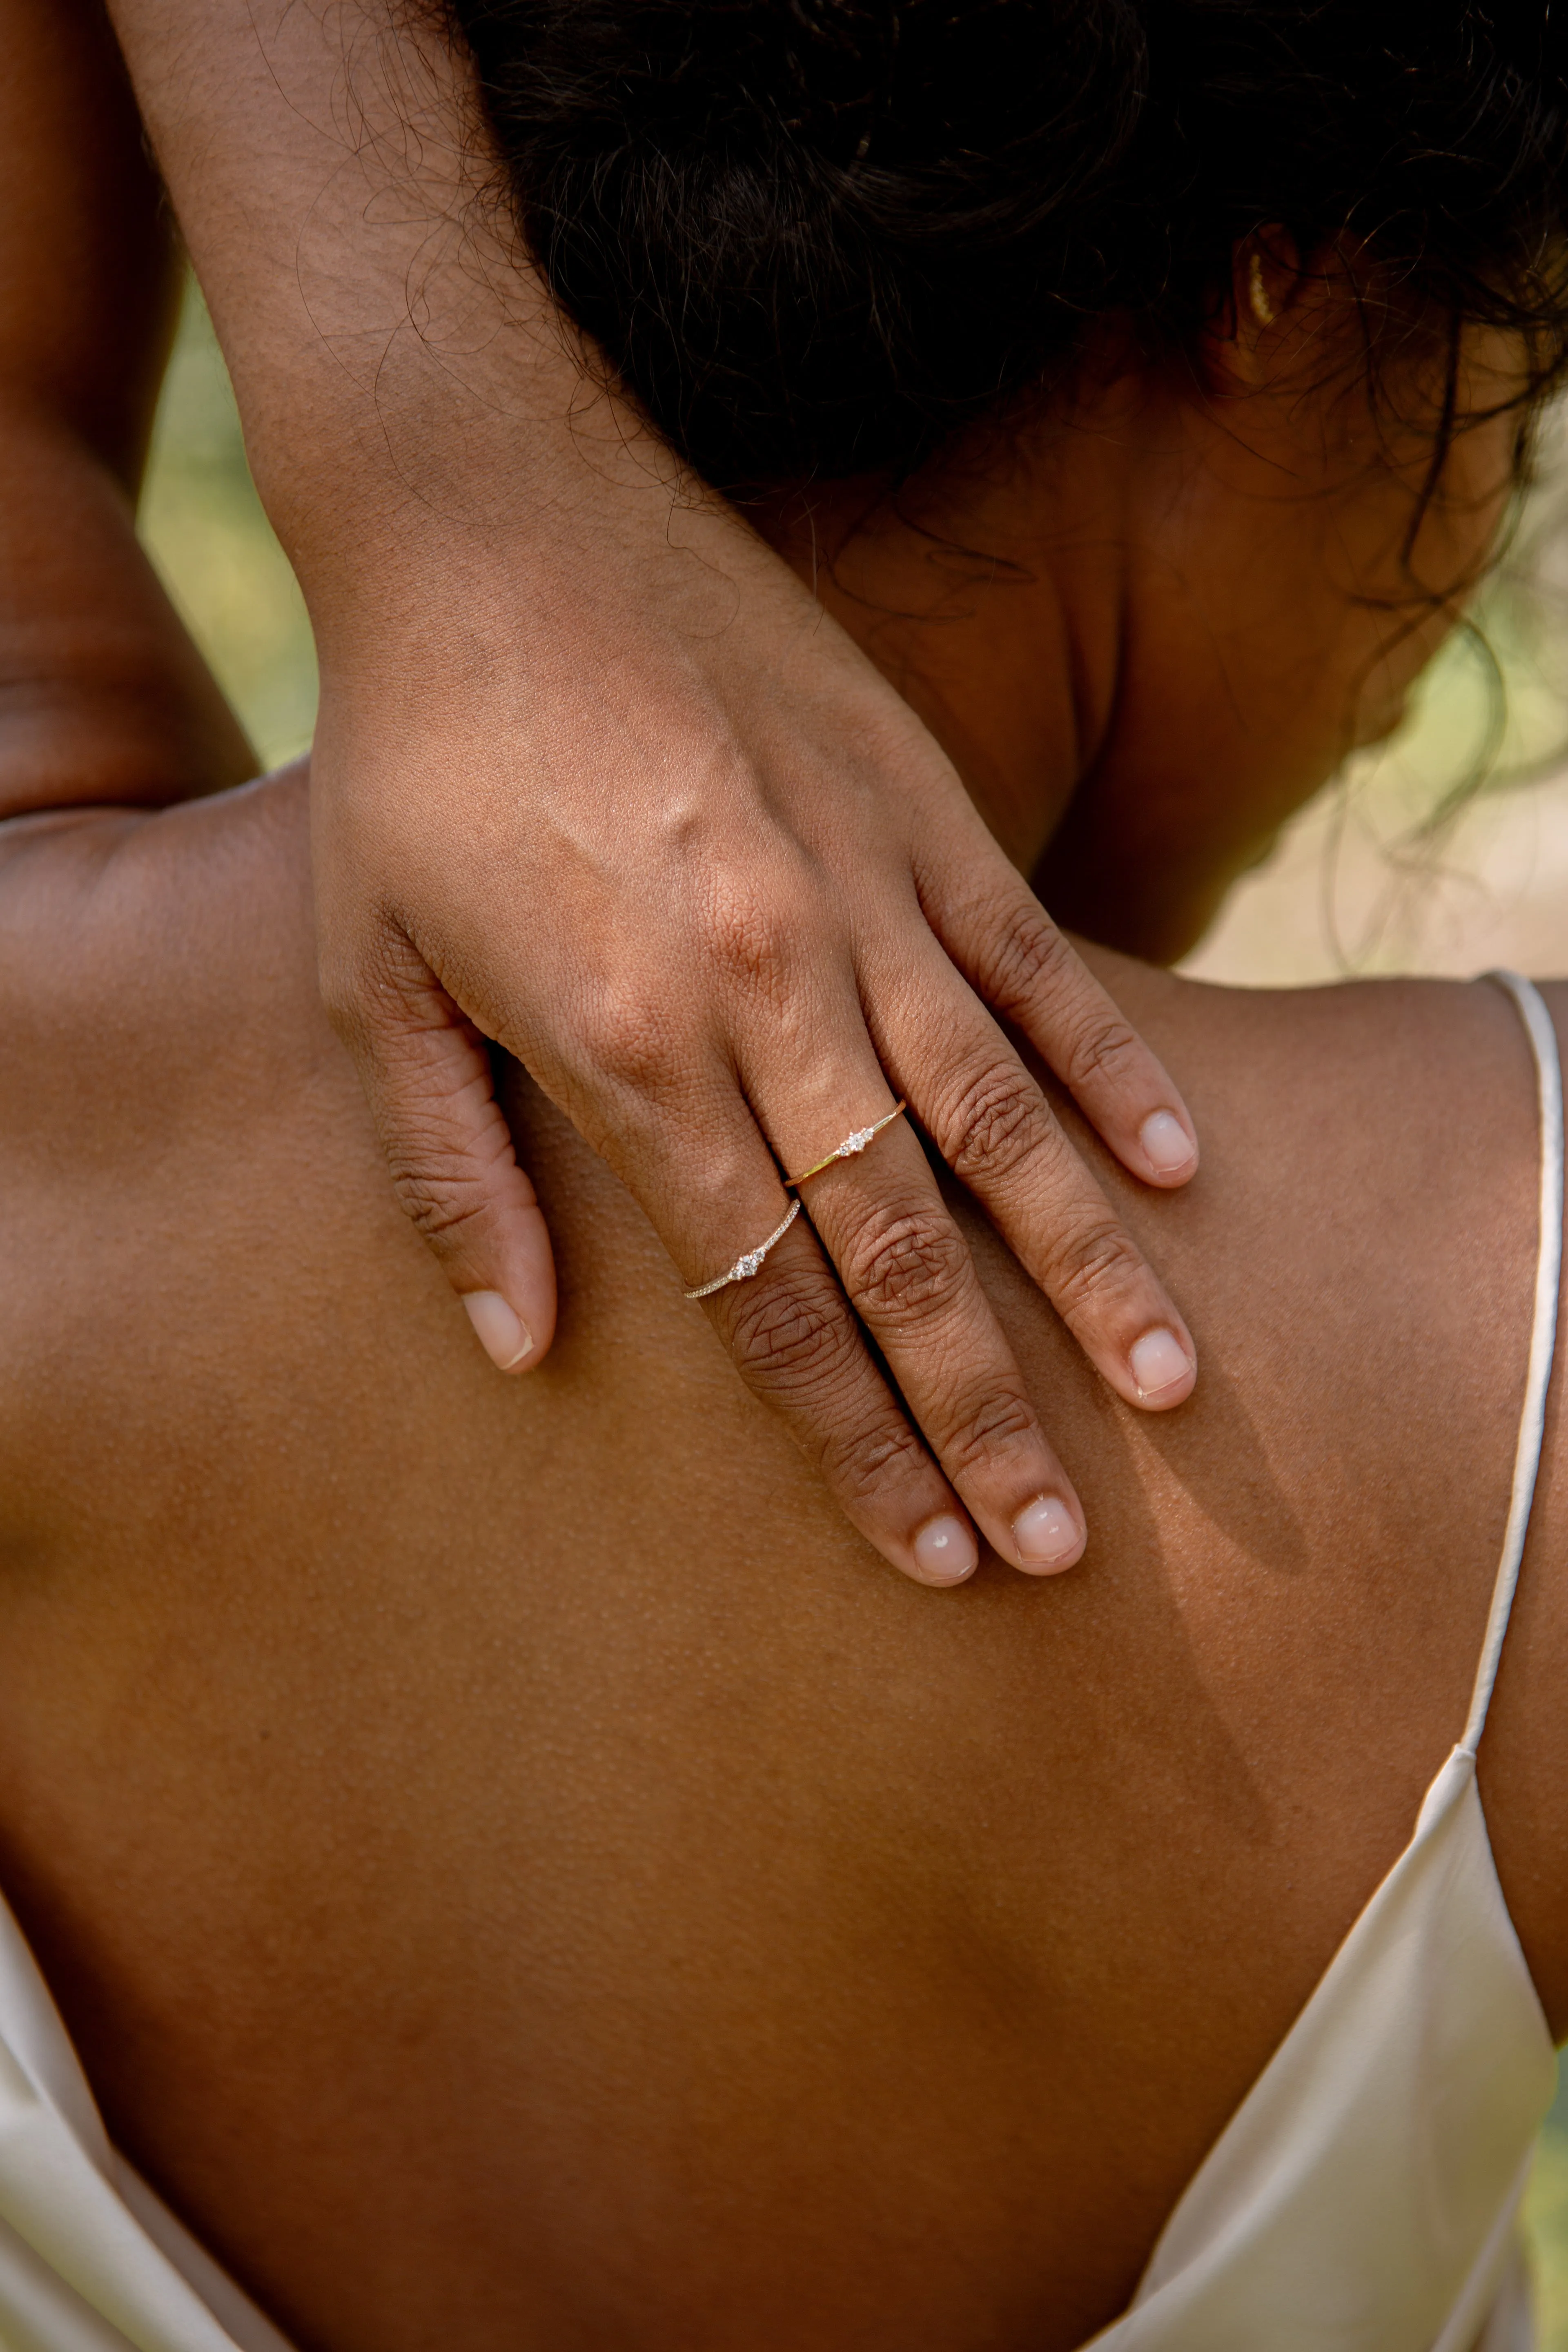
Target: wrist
{"points": [[481, 547]]}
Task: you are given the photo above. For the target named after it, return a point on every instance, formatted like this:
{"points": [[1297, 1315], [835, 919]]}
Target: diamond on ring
{"points": [[752, 1261], [851, 1145]]}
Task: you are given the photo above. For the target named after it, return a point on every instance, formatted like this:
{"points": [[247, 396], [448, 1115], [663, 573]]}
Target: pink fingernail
{"points": [[502, 1333], [945, 1552], [1046, 1533], [1158, 1362], [1167, 1144]]}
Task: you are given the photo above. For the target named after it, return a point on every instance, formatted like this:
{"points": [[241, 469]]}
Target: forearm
{"points": [[103, 696], [404, 383], [89, 268]]}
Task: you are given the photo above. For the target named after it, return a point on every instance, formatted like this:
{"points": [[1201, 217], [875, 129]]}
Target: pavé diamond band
{"points": [[745, 1266], [848, 1149], [750, 1262]]}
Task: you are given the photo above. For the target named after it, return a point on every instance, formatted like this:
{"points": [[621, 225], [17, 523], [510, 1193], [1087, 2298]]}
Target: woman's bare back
{"points": [[519, 1872]]}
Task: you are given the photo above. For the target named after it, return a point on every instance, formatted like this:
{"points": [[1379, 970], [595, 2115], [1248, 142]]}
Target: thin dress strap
{"points": [[1542, 1038]]}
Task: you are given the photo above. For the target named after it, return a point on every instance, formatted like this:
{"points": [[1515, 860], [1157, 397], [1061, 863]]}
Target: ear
{"points": [[1270, 303]]}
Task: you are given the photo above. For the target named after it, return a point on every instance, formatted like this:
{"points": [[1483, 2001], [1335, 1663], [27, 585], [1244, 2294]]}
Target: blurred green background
{"points": [[1363, 880], [202, 523]]}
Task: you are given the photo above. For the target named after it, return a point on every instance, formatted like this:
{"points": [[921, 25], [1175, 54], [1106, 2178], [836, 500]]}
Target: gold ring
{"points": [[750, 1263], [851, 1146]]}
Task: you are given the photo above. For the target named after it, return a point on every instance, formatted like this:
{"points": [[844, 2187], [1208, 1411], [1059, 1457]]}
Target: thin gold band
{"points": [[850, 1148], [750, 1261]]}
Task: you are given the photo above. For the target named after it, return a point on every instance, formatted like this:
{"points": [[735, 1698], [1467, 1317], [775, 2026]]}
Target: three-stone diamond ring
{"points": [[750, 1261], [851, 1145]]}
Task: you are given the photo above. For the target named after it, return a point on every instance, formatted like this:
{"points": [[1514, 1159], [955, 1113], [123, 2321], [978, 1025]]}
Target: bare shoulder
{"points": [[1389, 1125], [1524, 1761], [131, 943], [1361, 1246], [1391, 1049], [178, 1124]]}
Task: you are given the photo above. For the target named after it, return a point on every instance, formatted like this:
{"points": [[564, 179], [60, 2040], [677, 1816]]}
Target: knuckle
{"points": [[445, 1200], [1031, 971], [862, 1462], [1105, 1047], [625, 1039], [800, 1349], [1028, 958], [790, 1336], [997, 1122], [903, 1265], [385, 987], [1097, 1264], [753, 939], [990, 1429]]}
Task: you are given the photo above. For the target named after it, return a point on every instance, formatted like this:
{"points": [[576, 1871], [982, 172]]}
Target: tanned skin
{"points": [[523, 1876]]}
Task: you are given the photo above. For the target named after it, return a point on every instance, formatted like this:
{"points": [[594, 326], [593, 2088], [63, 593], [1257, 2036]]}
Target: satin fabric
{"points": [[1365, 2194]]}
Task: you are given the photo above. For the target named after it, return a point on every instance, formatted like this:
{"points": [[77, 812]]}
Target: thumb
{"points": [[426, 1071]]}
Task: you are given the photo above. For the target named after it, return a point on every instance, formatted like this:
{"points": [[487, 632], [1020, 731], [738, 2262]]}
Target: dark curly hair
{"points": [[813, 238]]}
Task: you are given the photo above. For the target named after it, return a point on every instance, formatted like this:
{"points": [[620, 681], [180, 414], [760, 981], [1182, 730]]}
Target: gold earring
{"points": [[1263, 309]]}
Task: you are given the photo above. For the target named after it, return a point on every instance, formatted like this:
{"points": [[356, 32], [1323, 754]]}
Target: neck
{"points": [[1002, 636], [1145, 625], [1027, 596]]}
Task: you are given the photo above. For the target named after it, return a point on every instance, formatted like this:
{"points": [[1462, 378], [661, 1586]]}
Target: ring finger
{"points": [[907, 1272], [761, 1279]]}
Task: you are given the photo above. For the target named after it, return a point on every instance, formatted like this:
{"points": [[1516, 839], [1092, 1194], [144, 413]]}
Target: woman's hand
{"points": [[647, 819], [597, 779]]}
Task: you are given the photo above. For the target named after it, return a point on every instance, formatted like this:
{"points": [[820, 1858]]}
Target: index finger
{"points": [[1006, 946]]}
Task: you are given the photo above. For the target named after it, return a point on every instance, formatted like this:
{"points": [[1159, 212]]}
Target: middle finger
{"points": [[907, 1273]]}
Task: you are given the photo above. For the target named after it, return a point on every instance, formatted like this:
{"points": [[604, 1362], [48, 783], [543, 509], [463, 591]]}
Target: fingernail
{"points": [[502, 1334], [945, 1552], [1167, 1144], [1159, 1361], [1046, 1533]]}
